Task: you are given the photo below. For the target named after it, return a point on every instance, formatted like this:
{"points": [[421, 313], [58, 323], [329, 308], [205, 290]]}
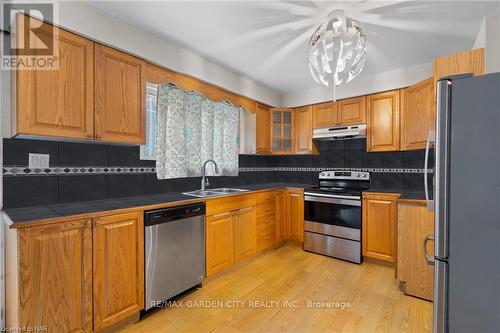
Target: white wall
{"points": [[361, 85], [492, 39], [94, 23]]}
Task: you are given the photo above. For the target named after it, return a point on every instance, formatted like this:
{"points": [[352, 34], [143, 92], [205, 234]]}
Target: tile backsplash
{"points": [[64, 182]]}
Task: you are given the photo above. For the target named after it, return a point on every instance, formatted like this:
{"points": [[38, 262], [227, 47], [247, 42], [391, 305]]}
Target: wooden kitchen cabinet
{"points": [[415, 223], [245, 233], [352, 111], [324, 115], [55, 276], [119, 96], [118, 248], [303, 130], [417, 114], [219, 242], [57, 102], [263, 129], [280, 215], [295, 214], [471, 61], [282, 131], [380, 213], [382, 128]]}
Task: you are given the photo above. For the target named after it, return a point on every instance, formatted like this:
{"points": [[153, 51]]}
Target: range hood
{"points": [[341, 132]]}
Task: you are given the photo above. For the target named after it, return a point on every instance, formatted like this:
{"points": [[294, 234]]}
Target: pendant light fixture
{"points": [[337, 50]]}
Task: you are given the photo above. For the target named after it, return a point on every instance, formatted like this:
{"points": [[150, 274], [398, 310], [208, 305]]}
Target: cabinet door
{"points": [[282, 131], [55, 276], [383, 121], [417, 114], [352, 111], [245, 233], [303, 130], [324, 115], [295, 214], [415, 222], [280, 216], [118, 268], [219, 242], [263, 129], [58, 102], [463, 62], [379, 227], [119, 96]]}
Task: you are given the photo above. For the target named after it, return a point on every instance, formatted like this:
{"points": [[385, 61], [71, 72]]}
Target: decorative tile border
{"points": [[19, 171]]}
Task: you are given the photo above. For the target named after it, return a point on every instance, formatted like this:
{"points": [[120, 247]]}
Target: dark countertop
{"points": [[405, 194], [54, 212]]}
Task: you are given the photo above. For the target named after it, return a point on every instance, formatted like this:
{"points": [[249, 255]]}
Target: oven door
{"points": [[333, 215]]}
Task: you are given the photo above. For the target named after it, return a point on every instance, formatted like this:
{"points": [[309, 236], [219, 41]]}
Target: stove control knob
{"points": [[358, 175]]}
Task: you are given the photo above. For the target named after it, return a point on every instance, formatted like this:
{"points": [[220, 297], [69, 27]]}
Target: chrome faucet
{"points": [[204, 179]]}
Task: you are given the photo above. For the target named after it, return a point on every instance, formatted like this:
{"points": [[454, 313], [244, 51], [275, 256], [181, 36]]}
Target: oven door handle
{"points": [[340, 201]]}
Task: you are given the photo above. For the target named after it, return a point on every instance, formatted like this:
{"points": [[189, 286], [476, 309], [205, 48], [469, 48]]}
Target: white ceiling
{"points": [[267, 40]]}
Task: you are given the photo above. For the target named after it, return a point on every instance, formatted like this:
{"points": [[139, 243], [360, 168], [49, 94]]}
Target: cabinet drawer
{"points": [[267, 209], [266, 220], [266, 236], [266, 197], [230, 203]]}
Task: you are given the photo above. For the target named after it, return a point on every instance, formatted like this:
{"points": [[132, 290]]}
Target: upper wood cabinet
{"points": [[119, 96], [464, 62], [118, 242], [417, 114], [295, 214], [263, 129], [379, 226], [324, 115], [415, 223], [383, 121], [245, 232], [282, 131], [55, 276], [303, 130], [58, 102], [352, 111]]}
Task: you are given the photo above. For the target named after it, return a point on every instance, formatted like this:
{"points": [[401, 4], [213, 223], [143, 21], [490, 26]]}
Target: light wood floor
{"points": [[290, 274]]}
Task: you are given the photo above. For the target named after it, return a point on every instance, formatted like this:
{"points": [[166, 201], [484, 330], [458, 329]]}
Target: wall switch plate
{"points": [[38, 161]]}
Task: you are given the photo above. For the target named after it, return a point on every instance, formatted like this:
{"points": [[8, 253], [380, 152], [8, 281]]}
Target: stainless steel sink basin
{"points": [[213, 192], [229, 190]]}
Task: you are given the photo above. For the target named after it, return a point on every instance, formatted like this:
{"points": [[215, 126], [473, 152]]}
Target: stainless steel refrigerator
{"points": [[467, 204]]}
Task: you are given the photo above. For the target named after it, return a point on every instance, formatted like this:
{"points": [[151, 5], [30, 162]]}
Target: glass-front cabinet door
{"points": [[282, 128]]}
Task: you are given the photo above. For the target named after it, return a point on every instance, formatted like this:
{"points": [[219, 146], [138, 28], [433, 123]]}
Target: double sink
{"points": [[214, 192]]}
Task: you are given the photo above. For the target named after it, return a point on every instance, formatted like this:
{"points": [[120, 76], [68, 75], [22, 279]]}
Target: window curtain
{"points": [[191, 129]]}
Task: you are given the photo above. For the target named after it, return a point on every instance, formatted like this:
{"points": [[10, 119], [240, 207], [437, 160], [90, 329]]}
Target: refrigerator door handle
{"points": [[430, 138], [428, 259], [440, 310]]}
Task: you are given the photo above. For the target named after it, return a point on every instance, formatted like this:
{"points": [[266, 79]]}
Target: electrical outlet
{"points": [[38, 161]]}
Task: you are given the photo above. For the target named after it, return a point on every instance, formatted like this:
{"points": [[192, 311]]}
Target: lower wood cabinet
{"points": [[295, 214], [55, 276], [118, 268], [280, 215], [380, 212], [81, 275], [415, 223], [219, 242], [230, 237], [245, 242]]}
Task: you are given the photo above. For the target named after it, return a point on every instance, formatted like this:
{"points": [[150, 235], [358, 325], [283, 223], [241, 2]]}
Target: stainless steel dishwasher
{"points": [[174, 252]]}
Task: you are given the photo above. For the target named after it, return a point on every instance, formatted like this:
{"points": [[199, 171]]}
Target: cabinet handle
{"points": [[90, 136], [221, 214], [98, 136], [428, 258], [97, 223], [245, 209]]}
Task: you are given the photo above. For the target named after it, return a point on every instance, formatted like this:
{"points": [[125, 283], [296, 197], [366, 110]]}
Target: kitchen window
{"points": [[148, 151]]}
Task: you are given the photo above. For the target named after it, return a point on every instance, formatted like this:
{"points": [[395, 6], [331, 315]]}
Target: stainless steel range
{"points": [[332, 214]]}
